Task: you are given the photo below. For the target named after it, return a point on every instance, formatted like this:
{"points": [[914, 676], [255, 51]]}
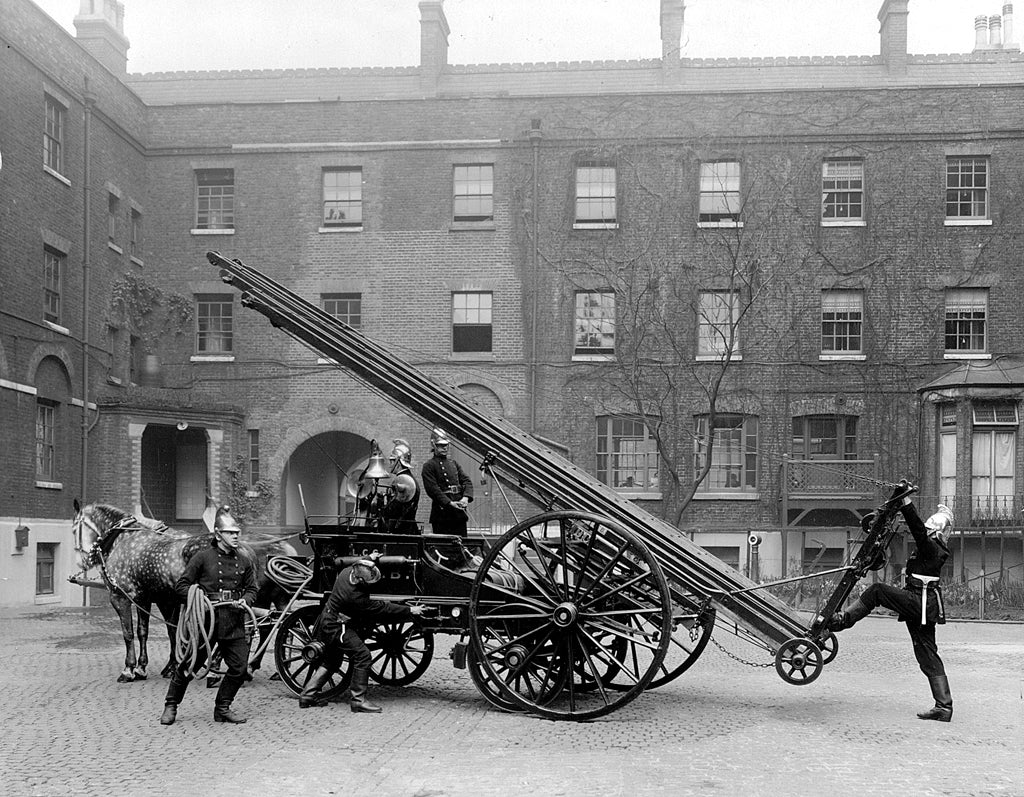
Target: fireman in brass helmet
{"points": [[403, 494], [919, 603], [449, 488], [228, 577]]}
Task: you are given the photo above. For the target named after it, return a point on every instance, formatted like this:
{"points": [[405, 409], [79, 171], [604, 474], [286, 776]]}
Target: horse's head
{"points": [[92, 528]]}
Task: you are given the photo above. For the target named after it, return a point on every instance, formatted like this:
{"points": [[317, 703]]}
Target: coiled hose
{"points": [[289, 574], [195, 627]]}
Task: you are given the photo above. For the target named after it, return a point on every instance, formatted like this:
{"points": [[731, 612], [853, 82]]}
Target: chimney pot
{"points": [[980, 32], [99, 27], [1007, 24], [995, 30]]}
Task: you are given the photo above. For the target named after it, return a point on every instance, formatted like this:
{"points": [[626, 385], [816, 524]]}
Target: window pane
{"points": [[595, 194], [215, 200], [842, 189], [46, 419], [966, 312], [842, 321], [343, 197], [967, 188], [716, 326], [595, 323], [53, 267], [627, 455], [53, 135], [719, 192], [346, 307], [474, 193], [471, 322], [214, 325], [733, 456], [46, 560]]}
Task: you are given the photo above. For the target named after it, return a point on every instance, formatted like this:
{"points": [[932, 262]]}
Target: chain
{"points": [[734, 657]]}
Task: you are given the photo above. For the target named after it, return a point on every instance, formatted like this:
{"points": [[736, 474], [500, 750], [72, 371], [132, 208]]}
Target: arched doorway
{"points": [[321, 466]]}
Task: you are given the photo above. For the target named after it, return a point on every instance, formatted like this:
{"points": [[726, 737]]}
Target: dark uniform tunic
{"points": [[348, 613], [224, 576], [927, 560], [398, 517], [444, 481]]}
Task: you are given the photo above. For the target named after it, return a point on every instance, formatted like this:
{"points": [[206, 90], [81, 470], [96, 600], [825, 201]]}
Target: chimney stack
{"points": [[671, 32], [434, 32], [980, 32], [100, 30], [995, 31], [1007, 24], [893, 32]]}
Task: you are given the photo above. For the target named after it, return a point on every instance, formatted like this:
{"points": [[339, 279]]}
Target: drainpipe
{"points": [[90, 100], [535, 137]]}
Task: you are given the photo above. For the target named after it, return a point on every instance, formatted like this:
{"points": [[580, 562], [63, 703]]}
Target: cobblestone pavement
{"points": [[722, 729]]}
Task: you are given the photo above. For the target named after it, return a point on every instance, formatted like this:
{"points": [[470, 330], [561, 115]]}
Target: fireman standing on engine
{"points": [[449, 488], [403, 495], [346, 616], [919, 603], [228, 577]]}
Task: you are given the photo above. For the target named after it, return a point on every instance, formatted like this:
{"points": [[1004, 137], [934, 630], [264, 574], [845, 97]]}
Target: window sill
{"points": [[727, 496], [57, 328], [471, 356], [637, 495], [57, 175], [212, 358], [136, 260], [333, 230], [114, 247], [204, 231], [44, 485], [593, 358], [839, 357], [595, 225], [952, 355], [713, 358], [711, 225], [43, 600], [844, 223], [472, 226], [967, 222]]}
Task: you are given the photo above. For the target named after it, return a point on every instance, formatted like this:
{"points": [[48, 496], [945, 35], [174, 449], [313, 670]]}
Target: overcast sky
{"points": [[170, 35]]}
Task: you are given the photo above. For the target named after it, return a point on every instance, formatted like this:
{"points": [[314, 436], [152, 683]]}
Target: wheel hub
{"points": [[515, 656], [565, 615]]}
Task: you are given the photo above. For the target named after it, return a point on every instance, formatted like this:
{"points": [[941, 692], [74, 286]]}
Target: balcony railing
{"points": [[977, 512], [841, 479]]}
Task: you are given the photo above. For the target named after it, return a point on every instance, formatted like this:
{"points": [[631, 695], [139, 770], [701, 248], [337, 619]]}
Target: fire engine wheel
{"points": [[540, 682], [295, 632], [798, 661], [399, 652], [575, 603], [691, 631], [829, 645]]}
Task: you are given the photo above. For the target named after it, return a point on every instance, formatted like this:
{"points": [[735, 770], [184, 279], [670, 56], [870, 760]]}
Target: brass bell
{"points": [[376, 469]]}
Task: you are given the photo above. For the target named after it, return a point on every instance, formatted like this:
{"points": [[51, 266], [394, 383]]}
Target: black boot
{"points": [[175, 693], [358, 702], [308, 697], [225, 694], [842, 620], [943, 709]]}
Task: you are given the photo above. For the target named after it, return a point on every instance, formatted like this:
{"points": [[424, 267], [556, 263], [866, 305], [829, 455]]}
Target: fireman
{"points": [[403, 494], [449, 488], [919, 603]]}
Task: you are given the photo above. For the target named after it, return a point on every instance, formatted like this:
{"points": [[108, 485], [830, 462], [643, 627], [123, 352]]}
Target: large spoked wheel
{"points": [[691, 631], [295, 632], [798, 661], [399, 652], [570, 616]]}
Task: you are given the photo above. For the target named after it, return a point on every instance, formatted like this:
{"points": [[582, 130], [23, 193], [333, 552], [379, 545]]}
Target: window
{"points": [[135, 353], [135, 240], [595, 196], [53, 135], [947, 454], [966, 309], [717, 332], [214, 317], [719, 193], [53, 270], [842, 190], [627, 455], [471, 322], [46, 561], [824, 437], [346, 307], [966, 189], [993, 454], [46, 451], [254, 457], [343, 197], [733, 454], [842, 322], [113, 211], [474, 193], [215, 199], [595, 322]]}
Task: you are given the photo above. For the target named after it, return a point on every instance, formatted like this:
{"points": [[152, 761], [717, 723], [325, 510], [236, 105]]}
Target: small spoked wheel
{"points": [[799, 661], [829, 645], [294, 633], [570, 616], [399, 652]]}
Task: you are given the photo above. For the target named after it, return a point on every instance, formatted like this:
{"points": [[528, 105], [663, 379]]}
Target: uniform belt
{"points": [[927, 584], [226, 595]]}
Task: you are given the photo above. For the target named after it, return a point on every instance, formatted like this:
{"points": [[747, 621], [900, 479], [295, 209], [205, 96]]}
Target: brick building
{"points": [[815, 258]]}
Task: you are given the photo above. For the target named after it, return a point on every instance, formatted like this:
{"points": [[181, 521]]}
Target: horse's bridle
{"points": [[100, 549]]}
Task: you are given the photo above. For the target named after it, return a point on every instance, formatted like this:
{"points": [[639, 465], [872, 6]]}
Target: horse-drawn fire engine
{"points": [[569, 614]]}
